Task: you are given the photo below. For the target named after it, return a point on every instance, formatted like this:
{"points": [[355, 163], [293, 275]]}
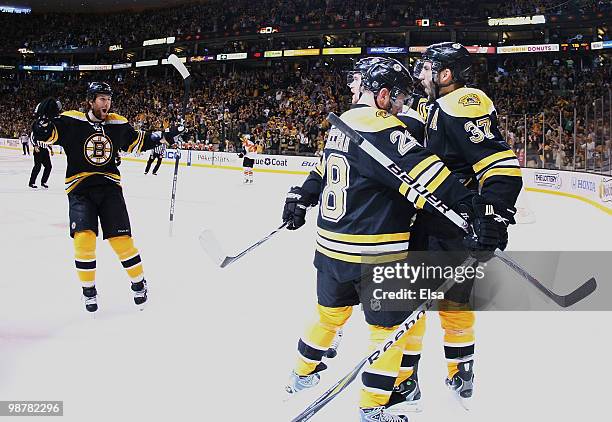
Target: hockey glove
{"points": [[489, 223], [296, 204], [48, 109], [172, 133]]}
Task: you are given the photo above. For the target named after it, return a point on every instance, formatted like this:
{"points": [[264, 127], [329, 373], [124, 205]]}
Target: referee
{"points": [[41, 157], [158, 152]]}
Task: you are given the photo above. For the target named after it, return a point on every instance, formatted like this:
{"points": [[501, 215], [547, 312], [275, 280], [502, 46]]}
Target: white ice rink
{"points": [[218, 345]]}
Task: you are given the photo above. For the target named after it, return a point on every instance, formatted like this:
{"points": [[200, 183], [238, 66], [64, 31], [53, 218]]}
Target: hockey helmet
{"points": [[98, 88], [446, 55], [388, 73]]}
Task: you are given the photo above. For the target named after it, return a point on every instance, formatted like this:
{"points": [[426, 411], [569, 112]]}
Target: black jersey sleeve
{"points": [[133, 140], [51, 132]]}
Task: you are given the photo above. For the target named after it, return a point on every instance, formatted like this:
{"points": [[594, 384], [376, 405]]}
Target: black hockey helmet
{"points": [[388, 73], [446, 55], [97, 88], [360, 67]]}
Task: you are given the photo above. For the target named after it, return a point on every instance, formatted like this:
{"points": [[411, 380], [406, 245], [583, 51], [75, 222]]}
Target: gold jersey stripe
{"points": [[53, 138], [90, 173], [423, 166], [492, 158], [497, 171], [357, 259], [364, 238], [433, 185], [75, 115]]}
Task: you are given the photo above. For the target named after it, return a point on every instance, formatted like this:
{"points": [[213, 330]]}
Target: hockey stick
{"points": [[577, 295], [178, 65], [213, 248], [345, 381]]}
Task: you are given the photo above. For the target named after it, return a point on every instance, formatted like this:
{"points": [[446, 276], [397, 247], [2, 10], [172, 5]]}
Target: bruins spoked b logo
{"points": [[98, 149]]}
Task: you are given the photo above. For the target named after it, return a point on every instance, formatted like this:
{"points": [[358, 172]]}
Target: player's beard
{"points": [[99, 113], [430, 89]]}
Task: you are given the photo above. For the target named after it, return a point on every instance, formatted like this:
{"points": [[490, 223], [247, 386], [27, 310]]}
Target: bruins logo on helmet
{"points": [[98, 149], [469, 100]]}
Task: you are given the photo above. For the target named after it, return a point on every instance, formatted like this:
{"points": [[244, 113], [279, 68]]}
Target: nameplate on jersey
{"points": [[404, 140], [98, 149], [337, 140]]}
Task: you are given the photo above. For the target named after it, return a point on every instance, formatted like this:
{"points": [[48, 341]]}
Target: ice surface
{"points": [[218, 344]]}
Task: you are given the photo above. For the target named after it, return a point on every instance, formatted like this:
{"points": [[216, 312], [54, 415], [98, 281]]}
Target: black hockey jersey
{"points": [[414, 122], [365, 212], [462, 129], [91, 147]]}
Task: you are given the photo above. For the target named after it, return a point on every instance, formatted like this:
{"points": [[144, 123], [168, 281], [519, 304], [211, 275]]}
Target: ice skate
{"points": [[298, 383], [406, 397], [462, 384], [140, 293], [90, 297], [380, 414]]}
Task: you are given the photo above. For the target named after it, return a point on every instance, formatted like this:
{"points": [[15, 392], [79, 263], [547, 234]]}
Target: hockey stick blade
{"points": [[398, 172], [178, 65], [211, 245], [564, 301], [402, 328]]}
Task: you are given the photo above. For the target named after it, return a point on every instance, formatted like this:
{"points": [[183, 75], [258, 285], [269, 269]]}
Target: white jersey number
{"points": [[333, 204]]}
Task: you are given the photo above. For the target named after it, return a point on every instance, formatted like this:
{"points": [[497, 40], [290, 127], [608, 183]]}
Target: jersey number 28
{"points": [[333, 204]]}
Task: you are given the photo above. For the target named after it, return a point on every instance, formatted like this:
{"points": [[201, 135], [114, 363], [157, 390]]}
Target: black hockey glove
{"points": [[296, 204], [117, 160], [172, 133], [47, 109], [489, 223]]}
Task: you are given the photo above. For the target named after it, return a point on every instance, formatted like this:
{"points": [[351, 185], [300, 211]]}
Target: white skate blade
{"points": [[401, 409], [463, 402]]}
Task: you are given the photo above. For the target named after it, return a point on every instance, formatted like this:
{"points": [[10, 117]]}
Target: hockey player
{"points": [[248, 154], [42, 157], [364, 219], [462, 130], [90, 141], [158, 153]]}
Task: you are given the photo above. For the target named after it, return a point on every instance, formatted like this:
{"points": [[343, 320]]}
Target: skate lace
{"points": [[90, 300]]}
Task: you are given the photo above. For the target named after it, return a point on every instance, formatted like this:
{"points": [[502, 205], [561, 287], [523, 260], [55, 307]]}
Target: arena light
{"points": [[232, 56], [302, 52], [6, 67], [158, 41], [146, 63], [15, 9], [95, 67], [273, 53], [517, 20], [342, 50]]}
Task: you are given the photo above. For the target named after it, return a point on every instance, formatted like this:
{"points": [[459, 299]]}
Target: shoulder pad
{"points": [[73, 114], [370, 119], [466, 102], [115, 119]]}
